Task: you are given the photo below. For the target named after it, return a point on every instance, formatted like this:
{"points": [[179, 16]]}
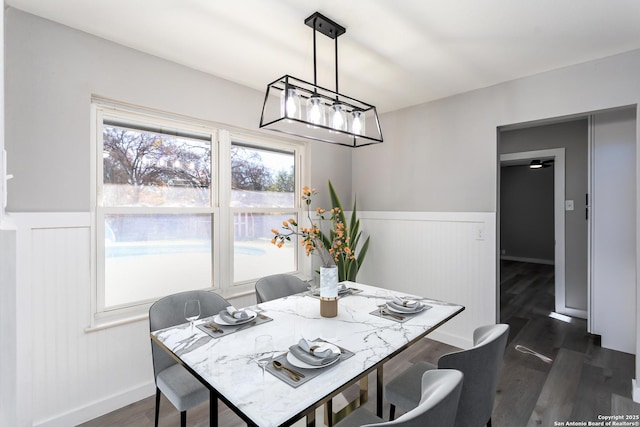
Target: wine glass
{"points": [[262, 345], [192, 311], [381, 300]]}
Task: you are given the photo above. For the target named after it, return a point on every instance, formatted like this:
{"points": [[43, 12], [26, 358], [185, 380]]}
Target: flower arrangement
{"points": [[338, 247]]}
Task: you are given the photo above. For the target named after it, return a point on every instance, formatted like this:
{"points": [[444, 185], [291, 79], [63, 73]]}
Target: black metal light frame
{"points": [[277, 117]]}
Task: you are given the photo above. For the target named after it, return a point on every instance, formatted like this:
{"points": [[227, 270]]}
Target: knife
{"points": [[245, 326]]}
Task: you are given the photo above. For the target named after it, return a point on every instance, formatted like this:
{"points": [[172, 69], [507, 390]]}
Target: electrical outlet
{"points": [[480, 232]]}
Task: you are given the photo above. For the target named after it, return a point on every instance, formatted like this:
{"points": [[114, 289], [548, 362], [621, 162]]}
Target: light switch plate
{"points": [[568, 205]]}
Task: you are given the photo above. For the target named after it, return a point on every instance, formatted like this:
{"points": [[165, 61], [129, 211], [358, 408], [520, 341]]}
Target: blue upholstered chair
{"points": [[480, 366], [182, 389]]}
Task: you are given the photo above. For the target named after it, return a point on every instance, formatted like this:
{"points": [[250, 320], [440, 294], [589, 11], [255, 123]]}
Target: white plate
{"points": [[300, 364], [219, 321], [421, 307]]}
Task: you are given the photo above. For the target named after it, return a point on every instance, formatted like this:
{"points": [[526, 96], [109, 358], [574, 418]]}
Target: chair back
{"points": [[277, 286], [441, 390], [169, 311], [480, 366]]}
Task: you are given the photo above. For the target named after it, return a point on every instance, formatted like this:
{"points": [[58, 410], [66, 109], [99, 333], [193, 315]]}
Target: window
{"points": [[180, 206], [262, 197]]}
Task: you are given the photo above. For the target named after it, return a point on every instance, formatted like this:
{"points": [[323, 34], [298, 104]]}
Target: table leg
{"points": [[213, 409], [379, 391], [311, 419]]}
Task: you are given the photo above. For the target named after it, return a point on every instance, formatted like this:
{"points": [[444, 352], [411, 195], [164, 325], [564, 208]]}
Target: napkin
{"points": [[233, 315], [303, 351], [406, 306], [342, 288]]}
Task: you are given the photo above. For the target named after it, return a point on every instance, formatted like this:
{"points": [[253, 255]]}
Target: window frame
{"points": [[222, 138], [268, 145]]}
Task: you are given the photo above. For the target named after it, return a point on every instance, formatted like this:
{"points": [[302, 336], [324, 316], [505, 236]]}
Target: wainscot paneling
{"points": [[75, 375], [449, 256], [69, 372]]}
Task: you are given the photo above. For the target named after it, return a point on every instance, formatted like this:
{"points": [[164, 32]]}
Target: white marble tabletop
{"points": [[227, 363]]}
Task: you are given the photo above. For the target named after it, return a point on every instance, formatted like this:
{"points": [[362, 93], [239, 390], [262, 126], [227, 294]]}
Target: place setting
{"points": [[343, 291], [231, 320], [397, 308], [305, 360]]}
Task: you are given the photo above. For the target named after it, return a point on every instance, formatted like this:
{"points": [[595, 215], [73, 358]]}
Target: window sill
{"points": [[107, 324]]}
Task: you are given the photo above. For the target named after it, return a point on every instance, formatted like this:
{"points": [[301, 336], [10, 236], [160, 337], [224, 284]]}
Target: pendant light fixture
{"points": [[300, 108]]}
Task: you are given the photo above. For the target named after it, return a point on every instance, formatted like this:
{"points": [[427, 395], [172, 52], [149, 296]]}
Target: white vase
{"points": [[329, 291], [329, 282]]}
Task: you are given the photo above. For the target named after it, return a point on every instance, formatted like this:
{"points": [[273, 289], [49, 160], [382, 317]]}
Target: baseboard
{"points": [[635, 386], [524, 259], [98, 408], [450, 339]]}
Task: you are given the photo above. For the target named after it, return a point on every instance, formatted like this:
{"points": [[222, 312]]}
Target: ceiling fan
{"points": [[539, 164]]}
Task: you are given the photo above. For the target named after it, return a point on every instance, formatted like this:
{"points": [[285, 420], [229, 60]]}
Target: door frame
{"points": [[558, 155]]}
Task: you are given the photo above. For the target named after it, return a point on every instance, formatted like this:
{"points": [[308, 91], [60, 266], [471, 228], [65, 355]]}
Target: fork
{"points": [[386, 313], [213, 327]]}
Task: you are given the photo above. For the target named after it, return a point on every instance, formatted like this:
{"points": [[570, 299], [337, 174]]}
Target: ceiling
{"points": [[394, 54]]}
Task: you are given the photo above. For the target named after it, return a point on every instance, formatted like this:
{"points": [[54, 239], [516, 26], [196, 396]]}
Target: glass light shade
{"points": [[290, 104], [318, 115], [315, 111], [358, 123], [338, 118]]}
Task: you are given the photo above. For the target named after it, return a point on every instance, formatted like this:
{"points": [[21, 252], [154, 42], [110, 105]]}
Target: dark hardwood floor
{"points": [[582, 381]]}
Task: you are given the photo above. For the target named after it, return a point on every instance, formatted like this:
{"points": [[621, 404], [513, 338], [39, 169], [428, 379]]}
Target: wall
{"points": [[526, 213], [440, 255], [442, 156], [439, 157], [573, 136], [51, 73], [613, 214]]}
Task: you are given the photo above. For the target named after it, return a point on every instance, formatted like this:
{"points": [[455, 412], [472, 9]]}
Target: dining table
{"points": [[224, 357]]}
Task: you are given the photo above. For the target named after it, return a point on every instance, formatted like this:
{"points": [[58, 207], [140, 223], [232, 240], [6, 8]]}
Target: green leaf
{"points": [[363, 251]]}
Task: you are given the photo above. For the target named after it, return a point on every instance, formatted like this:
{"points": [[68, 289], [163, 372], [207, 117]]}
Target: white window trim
{"points": [[226, 141], [222, 262]]}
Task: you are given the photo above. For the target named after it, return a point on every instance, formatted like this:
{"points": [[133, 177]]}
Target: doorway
{"points": [[566, 143], [532, 225], [599, 210]]}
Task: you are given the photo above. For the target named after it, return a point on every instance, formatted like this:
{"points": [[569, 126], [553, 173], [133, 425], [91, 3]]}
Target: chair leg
{"points": [[183, 419], [392, 412], [489, 422], [157, 405]]}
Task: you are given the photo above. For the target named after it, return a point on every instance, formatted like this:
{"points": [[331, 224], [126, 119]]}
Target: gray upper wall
{"points": [[52, 71], [442, 156]]}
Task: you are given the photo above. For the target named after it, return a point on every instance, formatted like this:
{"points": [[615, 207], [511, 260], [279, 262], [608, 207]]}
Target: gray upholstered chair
{"points": [[440, 392], [480, 366], [182, 389], [277, 286]]}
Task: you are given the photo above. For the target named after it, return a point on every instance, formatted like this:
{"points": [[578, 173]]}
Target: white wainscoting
{"points": [[74, 375], [67, 374], [70, 375], [449, 256]]}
